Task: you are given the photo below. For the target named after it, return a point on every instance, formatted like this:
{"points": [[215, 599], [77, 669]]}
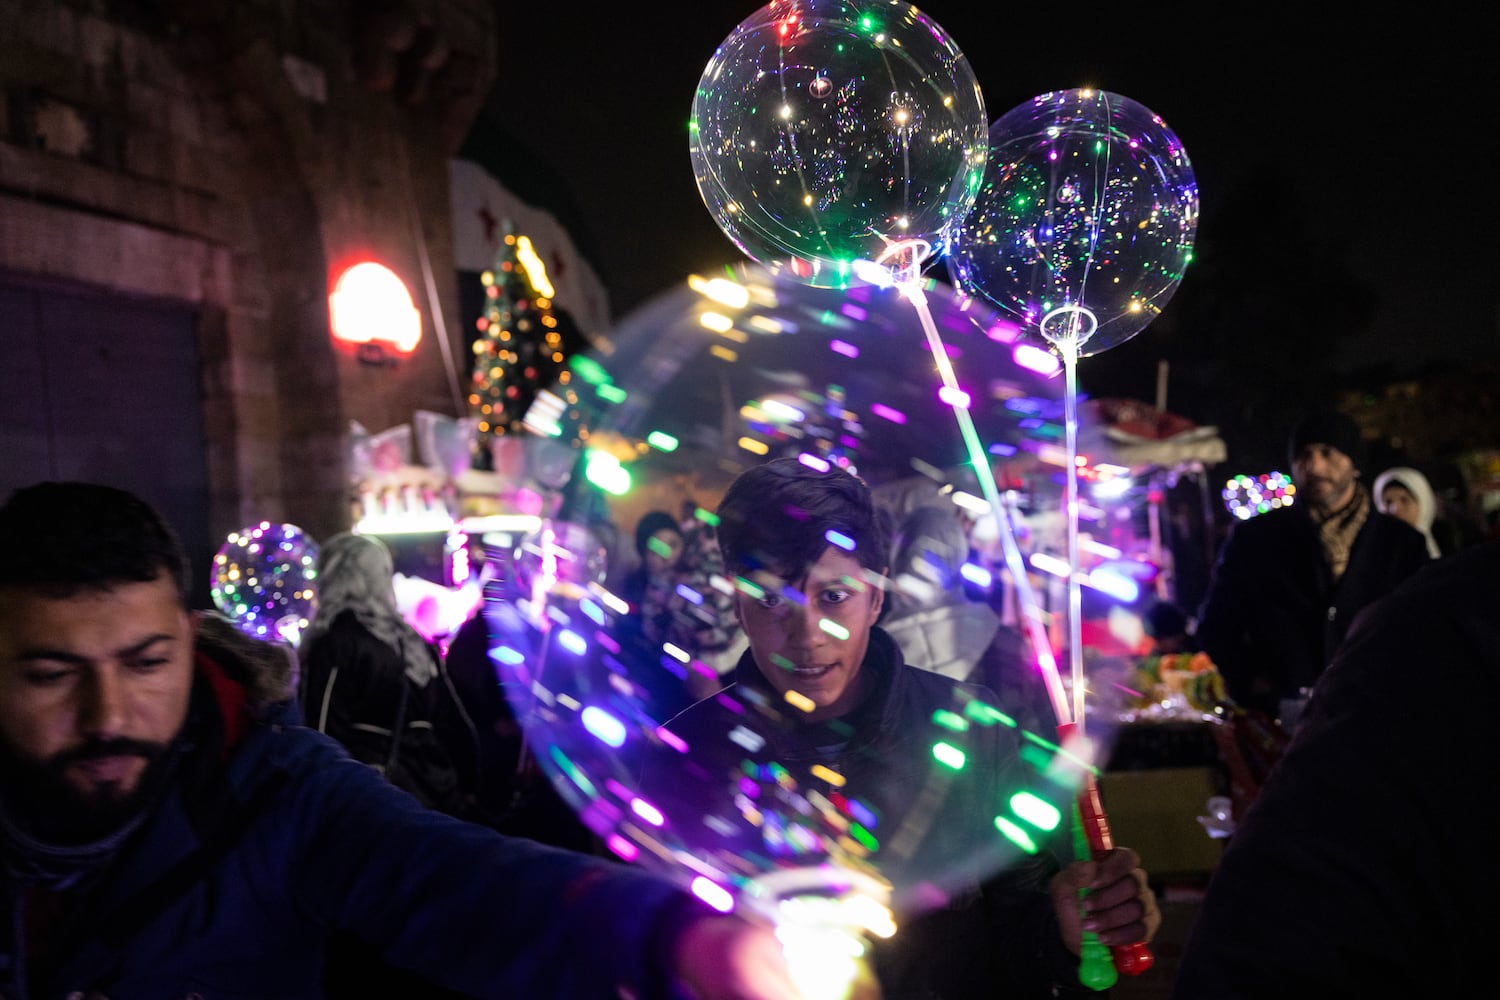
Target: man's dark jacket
{"points": [[1364, 867], [1274, 615], [269, 839]]}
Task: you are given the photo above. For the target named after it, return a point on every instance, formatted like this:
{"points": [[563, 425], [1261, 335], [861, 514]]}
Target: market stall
{"points": [[1168, 459]]}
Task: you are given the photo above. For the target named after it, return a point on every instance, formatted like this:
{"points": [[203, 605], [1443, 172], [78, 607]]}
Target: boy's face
{"points": [[809, 635]]}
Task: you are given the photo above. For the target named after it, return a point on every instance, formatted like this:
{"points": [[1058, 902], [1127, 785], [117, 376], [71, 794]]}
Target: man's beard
{"points": [[54, 810]]}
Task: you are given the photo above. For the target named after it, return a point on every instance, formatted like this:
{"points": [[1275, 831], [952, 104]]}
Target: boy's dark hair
{"points": [[778, 516], [65, 537]]}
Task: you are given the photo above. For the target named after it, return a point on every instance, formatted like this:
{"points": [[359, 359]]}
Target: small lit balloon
{"points": [[264, 579], [705, 381], [829, 132], [1085, 221], [1248, 496]]}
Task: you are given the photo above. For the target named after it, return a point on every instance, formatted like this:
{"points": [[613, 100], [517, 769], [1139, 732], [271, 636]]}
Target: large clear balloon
{"points": [[264, 579], [1085, 220], [704, 382], [829, 132]]}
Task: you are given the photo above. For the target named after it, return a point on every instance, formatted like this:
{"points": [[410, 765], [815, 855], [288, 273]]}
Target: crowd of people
{"points": [[181, 800]]}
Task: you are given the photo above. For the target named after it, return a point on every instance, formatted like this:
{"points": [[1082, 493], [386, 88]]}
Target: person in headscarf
{"points": [[940, 629], [1405, 493], [370, 680]]}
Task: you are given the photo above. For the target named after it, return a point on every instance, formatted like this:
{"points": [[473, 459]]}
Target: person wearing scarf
{"points": [[374, 684], [1288, 583]]}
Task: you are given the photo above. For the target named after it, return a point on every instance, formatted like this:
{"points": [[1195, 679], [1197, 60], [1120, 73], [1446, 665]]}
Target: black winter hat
{"points": [[1328, 427]]}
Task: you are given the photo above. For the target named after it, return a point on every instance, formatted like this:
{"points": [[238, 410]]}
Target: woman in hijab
{"points": [[367, 674], [939, 628], [1405, 493]]}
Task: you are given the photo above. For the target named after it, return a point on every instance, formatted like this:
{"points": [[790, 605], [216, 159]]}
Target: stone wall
{"points": [[235, 155]]}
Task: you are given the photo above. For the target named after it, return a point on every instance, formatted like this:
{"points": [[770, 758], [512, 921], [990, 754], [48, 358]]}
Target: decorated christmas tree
{"points": [[523, 344]]}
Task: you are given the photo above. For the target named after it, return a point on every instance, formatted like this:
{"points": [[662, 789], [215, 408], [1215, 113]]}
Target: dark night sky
{"points": [[1365, 142]]}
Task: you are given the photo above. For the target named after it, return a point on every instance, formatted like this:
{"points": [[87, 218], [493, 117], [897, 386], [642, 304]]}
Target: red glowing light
{"points": [[369, 304]]}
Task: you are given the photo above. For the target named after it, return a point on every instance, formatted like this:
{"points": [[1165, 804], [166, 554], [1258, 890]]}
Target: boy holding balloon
{"points": [[914, 768]]}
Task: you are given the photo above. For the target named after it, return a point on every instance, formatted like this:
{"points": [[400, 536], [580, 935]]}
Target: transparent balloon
{"points": [[264, 579], [701, 383], [559, 558], [1085, 220], [829, 132]]}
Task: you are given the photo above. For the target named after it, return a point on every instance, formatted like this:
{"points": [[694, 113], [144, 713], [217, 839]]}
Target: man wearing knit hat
{"points": [[1288, 582]]}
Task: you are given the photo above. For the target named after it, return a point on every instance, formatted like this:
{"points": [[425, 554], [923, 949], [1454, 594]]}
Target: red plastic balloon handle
{"points": [[1130, 959]]}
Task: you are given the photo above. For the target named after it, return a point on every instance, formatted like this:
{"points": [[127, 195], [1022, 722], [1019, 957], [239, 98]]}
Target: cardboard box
{"points": [[1155, 812]]}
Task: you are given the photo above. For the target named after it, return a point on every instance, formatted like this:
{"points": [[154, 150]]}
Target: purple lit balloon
{"points": [[826, 132], [264, 579], [1085, 220], [703, 382]]}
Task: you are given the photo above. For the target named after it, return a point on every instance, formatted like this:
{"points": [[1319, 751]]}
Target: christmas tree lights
{"points": [[523, 346]]}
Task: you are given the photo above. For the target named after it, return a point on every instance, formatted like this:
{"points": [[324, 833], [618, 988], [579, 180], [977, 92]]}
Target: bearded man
{"points": [[168, 828], [1288, 583]]}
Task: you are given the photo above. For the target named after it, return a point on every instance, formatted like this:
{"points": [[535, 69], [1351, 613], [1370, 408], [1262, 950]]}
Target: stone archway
{"points": [[226, 156]]}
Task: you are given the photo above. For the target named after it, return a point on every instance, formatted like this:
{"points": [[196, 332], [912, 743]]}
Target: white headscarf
{"points": [[1416, 484], [356, 573], [926, 555]]}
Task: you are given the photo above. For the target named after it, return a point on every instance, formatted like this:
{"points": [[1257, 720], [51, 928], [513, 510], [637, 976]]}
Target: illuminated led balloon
{"points": [[1085, 220], [1248, 496], [708, 380], [826, 132], [264, 579]]}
